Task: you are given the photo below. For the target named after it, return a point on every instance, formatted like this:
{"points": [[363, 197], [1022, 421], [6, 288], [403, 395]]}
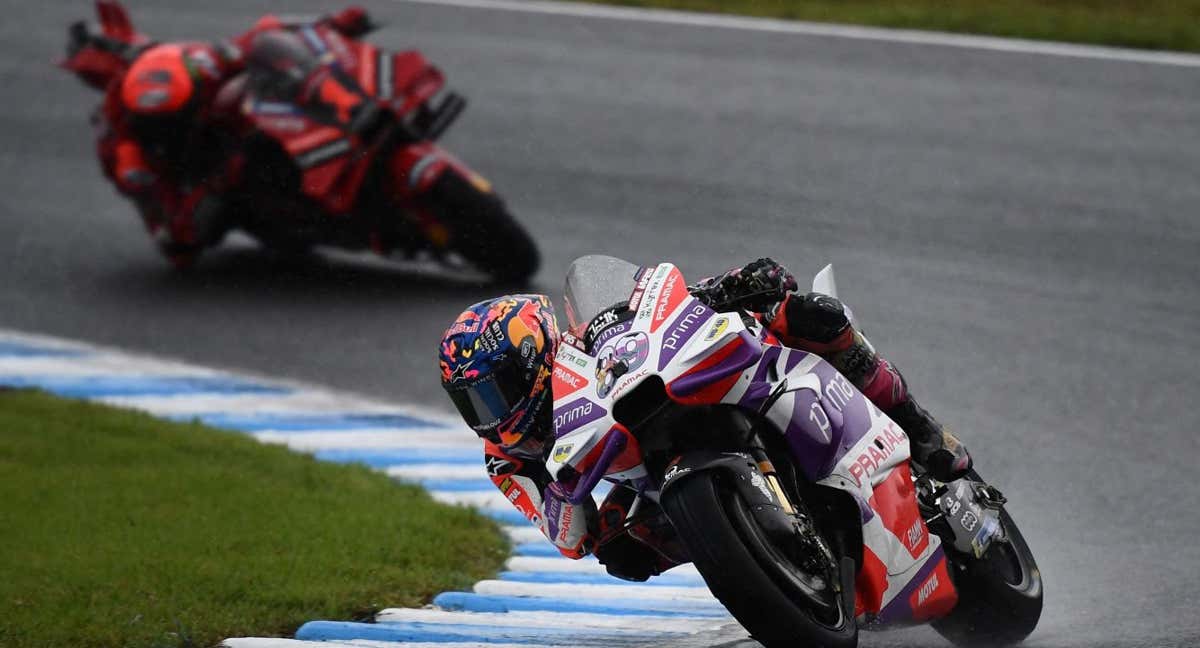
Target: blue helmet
{"points": [[496, 361]]}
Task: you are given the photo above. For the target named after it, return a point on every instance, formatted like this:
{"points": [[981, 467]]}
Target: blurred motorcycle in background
{"points": [[335, 141]]}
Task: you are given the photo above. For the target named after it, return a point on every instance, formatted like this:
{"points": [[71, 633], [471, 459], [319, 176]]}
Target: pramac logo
{"points": [[672, 293], [566, 381]]}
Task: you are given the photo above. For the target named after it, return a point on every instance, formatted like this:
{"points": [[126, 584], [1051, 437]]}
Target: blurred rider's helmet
{"points": [[160, 81], [162, 92], [496, 361]]}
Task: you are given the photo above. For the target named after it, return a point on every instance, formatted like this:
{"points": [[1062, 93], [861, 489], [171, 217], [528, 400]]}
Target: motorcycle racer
{"points": [[166, 132], [496, 361]]}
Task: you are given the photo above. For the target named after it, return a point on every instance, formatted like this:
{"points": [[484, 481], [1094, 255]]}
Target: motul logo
{"points": [[928, 588]]}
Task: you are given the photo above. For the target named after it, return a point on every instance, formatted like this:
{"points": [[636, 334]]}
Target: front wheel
{"points": [[777, 602], [482, 231], [999, 595]]}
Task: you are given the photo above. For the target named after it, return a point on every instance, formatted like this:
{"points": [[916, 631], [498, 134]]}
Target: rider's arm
{"points": [[811, 322], [528, 487]]}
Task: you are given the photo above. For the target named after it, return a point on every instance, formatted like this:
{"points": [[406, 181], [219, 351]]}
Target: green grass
{"points": [[117, 529], [1148, 24]]}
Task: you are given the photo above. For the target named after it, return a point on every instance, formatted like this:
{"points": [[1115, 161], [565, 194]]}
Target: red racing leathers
{"points": [[179, 187]]}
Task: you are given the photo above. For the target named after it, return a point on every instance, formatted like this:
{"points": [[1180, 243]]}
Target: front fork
{"points": [[812, 543]]}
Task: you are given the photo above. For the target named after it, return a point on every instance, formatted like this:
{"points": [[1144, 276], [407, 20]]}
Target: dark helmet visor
{"points": [[484, 403]]}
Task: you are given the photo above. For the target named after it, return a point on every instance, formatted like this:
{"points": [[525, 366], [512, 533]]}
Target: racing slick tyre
{"points": [[483, 232], [753, 578], [999, 595]]}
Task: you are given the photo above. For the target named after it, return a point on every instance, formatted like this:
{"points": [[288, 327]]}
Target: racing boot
{"points": [[933, 447]]}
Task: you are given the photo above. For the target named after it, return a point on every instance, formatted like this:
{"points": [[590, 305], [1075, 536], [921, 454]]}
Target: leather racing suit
{"points": [[180, 174]]}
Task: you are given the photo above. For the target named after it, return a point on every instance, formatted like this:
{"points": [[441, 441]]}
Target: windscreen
{"points": [[594, 284]]}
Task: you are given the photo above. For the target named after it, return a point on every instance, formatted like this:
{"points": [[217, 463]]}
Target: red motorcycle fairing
{"points": [[317, 127]]}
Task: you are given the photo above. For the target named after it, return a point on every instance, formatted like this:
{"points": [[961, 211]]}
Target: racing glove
{"points": [[567, 524], [755, 286]]}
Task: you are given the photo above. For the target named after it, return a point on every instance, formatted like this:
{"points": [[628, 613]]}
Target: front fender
{"points": [[741, 471]]}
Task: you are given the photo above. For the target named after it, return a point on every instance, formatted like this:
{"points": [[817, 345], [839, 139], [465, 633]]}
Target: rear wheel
{"points": [[780, 603], [483, 232], [999, 595]]}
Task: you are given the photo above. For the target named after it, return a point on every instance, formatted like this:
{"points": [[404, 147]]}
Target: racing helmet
{"points": [[496, 360], [159, 82], [162, 92]]}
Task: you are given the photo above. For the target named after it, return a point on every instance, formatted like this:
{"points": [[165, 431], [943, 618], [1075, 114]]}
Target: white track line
{"points": [[370, 439], [548, 620], [579, 591], [271, 642], [878, 34], [438, 471]]}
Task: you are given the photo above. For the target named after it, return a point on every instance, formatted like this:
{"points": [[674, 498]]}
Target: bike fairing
{"points": [[831, 445]]}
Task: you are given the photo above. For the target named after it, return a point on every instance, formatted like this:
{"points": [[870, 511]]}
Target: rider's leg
{"points": [[819, 323]]}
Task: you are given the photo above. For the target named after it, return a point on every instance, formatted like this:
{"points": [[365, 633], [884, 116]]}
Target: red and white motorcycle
{"points": [[788, 489]]}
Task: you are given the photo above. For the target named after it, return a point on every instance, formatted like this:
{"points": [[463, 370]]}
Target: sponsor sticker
{"points": [[672, 294], [718, 327], [876, 454], [576, 413], [566, 381], [563, 451], [681, 330]]}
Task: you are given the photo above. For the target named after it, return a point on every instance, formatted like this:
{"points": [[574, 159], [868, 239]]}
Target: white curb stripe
{"points": [[577, 591], [801, 28], [546, 619]]}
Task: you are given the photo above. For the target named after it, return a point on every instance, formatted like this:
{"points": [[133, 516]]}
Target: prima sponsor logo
{"points": [[679, 333], [876, 454], [576, 413], [839, 392], [928, 588]]}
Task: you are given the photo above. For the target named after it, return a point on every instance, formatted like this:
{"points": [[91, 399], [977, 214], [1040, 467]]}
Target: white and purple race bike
{"points": [[788, 489]]}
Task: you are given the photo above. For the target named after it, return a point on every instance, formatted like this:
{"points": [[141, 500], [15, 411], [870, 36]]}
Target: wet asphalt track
{"points": [[1018, 232]]}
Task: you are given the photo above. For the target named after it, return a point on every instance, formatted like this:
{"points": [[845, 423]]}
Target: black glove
{"points": [[755, 287]]}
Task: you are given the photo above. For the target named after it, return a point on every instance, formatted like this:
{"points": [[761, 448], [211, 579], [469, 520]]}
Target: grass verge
{"points": [[118, 529], [1146, 24]]}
